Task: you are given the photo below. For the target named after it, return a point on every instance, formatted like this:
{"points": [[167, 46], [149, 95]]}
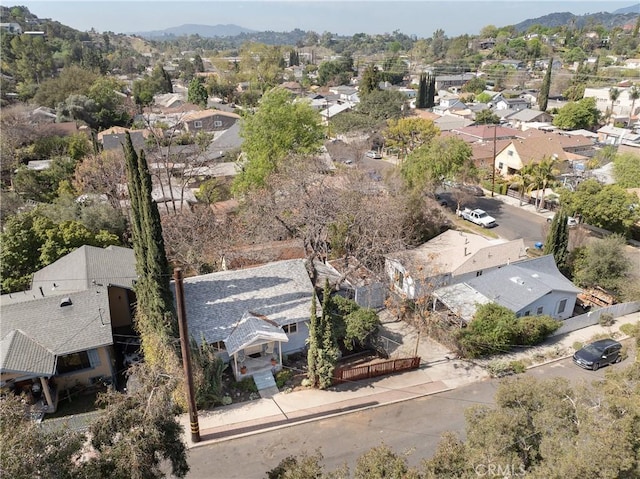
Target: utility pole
{"points": [[186, 355], [493, 166]]}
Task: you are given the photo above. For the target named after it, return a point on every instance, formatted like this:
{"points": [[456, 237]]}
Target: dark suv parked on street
{"points": [[598, 353]]}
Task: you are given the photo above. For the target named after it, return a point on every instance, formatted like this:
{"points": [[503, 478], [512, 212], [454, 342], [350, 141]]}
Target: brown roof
{"points": [[425, 114], [567, 141], [198, 115], [481, 152], [537, 148], [486, 133]]}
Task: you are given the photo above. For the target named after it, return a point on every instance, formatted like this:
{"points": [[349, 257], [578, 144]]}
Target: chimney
{"points": [[65, 302]]}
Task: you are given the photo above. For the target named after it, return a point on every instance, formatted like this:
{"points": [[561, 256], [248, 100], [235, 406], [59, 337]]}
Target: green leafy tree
{"points": [[634, 94], [336, 72], [280, 127], [370, 80], [543, 96], [476, 85], [197, 92], [72, 80], [579, 114], [33, 58], [382, 463], [609, 206], [382, 105], [313, 343], [407, 134], [198, 64], [557, 242], [614, 94], [487, 117], [602, 263], [626, 168], [442, 158]]}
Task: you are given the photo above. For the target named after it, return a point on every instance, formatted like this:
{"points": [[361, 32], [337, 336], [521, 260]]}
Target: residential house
{"points": [[480, 133], [11, 27], [252, 315], [208, 121], [452, 122], [516, 64], [449, 258], [516, 104], [531, 287], [444, 82], [621, 106], [525, 116], [537, 145], [346, 93], [114, 138], [612, 135], [65, 329]]}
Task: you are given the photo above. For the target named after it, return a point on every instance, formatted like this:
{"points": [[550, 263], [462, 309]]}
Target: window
{"points": [[562, 306], [219, 346], [78, 361], [217, 123], [527, 313], [500, 165], [510, 152], [539, 310], [478, 273], [197, 124], [290, 328]]}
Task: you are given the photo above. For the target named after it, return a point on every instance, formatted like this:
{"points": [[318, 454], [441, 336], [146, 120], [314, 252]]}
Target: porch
{"points": [[254, 346]]}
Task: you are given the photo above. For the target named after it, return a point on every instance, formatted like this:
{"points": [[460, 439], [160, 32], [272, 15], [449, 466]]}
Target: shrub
{"points": [[499, 368], [630, 329], [282, 377], [226, 400], [495, 329], [534, 329], [577, 345], [606, 319]]}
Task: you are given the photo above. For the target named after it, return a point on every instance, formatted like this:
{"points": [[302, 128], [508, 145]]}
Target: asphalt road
{"points": [[513, 222], [411, 426]]}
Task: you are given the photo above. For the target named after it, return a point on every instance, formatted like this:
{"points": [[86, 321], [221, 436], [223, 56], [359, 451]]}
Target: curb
{"points": [[312, 418]]}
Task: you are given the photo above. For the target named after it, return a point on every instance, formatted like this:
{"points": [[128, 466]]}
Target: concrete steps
{"points": [[266, 384]]}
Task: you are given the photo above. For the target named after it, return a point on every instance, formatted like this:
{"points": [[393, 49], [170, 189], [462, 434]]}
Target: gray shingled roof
{"points": [[21, 354], [83, 325], [518, 285], [77, 270], [216, 302], [251, 329]]}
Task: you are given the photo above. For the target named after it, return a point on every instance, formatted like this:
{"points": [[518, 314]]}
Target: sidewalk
{"points": [[436, 374]]}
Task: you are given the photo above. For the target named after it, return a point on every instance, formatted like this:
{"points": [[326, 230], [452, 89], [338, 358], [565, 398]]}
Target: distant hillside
{"points": [[608, 20], [632, 9], [205, 31]]}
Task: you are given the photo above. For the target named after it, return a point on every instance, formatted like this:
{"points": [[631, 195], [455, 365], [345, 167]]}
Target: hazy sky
{"points": [[347, 17]]}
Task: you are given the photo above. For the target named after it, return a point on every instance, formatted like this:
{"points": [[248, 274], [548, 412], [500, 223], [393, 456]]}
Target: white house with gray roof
{"points": [[251, 315], [529, 288], [452, 257]]}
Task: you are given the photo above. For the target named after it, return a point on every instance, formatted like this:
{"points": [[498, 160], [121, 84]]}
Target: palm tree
{"points": [[634, 94], [614, 94], [524, 179], [543, 173]]}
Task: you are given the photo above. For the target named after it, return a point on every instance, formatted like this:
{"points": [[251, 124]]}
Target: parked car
{"points": [[373, 154], [598, 353], [571, 221], [477, 216]]}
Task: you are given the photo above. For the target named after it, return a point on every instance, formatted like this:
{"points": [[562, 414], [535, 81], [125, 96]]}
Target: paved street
{"points": [[414, 426]]}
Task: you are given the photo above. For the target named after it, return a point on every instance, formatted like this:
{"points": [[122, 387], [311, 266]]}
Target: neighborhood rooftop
{"points": [[281, 291]]}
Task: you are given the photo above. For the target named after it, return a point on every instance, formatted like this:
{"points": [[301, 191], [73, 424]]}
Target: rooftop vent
{"points": [[65, 302], [517, 280]]}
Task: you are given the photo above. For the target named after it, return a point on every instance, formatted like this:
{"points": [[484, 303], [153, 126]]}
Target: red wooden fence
{"points": [[374, 370]]}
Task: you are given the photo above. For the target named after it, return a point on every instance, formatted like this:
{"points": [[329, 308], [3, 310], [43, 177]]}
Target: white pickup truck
{"points": [[479, 217]]}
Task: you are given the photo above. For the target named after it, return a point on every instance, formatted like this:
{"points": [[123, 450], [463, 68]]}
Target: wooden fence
{"points": [[373, 370]]}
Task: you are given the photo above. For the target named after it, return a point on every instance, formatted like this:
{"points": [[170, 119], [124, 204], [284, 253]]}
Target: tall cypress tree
{"points": [[543, 96], [557, 242], [312, 352], [155, 315], [431, 91], [421, 100]]}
